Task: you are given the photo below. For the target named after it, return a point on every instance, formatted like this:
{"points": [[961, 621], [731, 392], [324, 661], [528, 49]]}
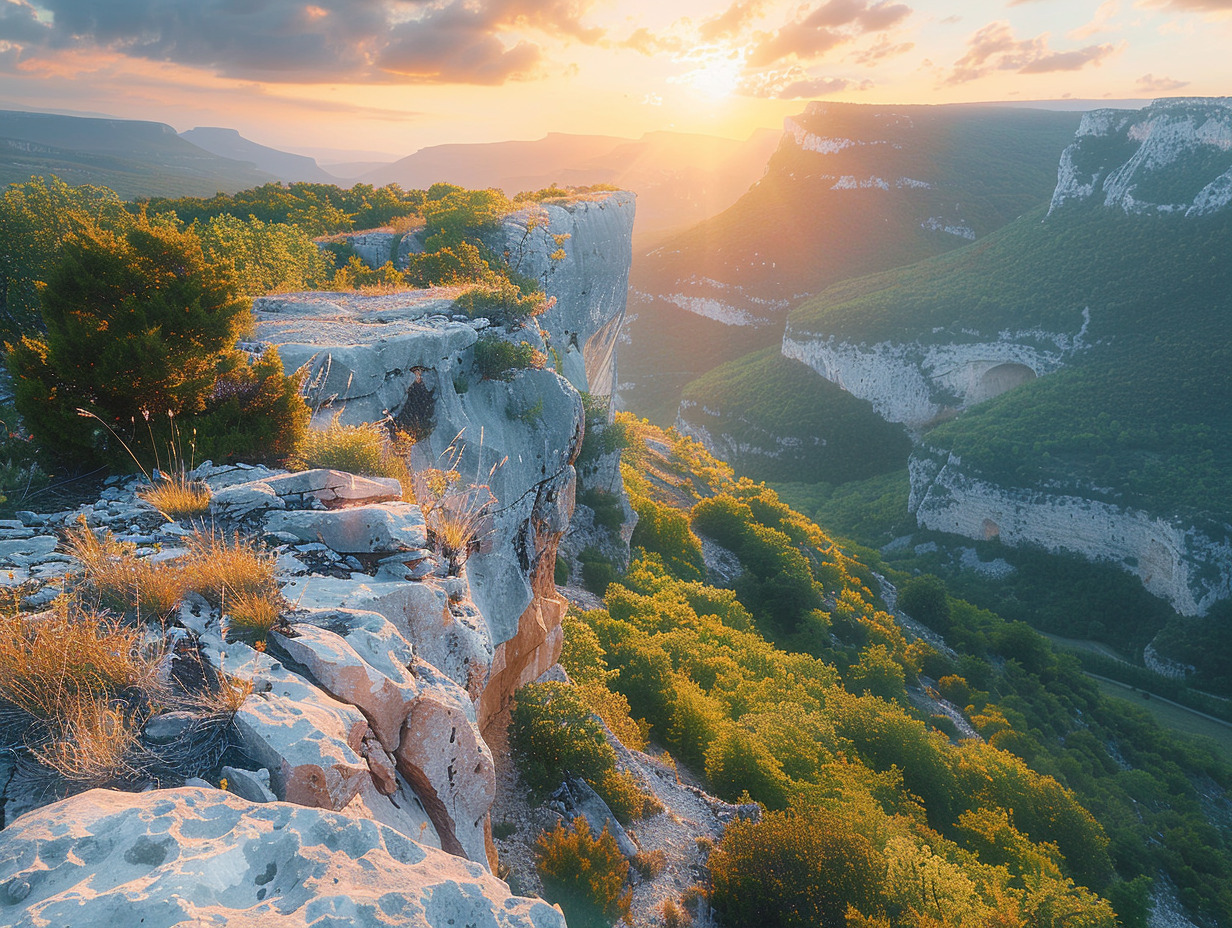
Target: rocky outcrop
{"points": [[407, 355], [581, 252], [915, 382], [1186, 566], [204, 857], [1174, 156]]}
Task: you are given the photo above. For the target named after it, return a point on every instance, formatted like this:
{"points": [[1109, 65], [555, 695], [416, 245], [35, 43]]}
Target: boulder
{"points": [[382, 528], [207, 859], [309, 742], [333, 488]]}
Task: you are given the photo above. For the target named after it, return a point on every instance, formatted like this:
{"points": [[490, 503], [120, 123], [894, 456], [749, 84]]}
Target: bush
{"points": [[553, 735], [498, 359], [504, 303], [608, 509], [357, 449], [598, 571], [925, 600], [584, 874], [139, 322], [794, 870]]}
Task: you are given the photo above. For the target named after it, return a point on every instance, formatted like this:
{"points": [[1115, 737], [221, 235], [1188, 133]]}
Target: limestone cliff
{"points": [[408, 356], [1174, 156], [1123, 272]]}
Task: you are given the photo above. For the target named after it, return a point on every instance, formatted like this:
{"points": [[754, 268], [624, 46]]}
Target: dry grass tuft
{"points": [[54, 664], [222, 568], [95, 746], [251, 617], [177, 497], [456, 514], [117, 580]]}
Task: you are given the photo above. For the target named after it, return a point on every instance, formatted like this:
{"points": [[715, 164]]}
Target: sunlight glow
{"points": [[716, 71]]}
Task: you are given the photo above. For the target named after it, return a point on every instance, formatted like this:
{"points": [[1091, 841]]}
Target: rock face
{"points": [[590, 280], [1169, 163], [1173, 560], [913, 383], [406, 355], [207, 858], [1174, 156]]}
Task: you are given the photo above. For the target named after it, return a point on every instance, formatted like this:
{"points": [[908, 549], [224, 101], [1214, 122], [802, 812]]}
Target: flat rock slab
{"points": [[384, 528], [207, 859]]}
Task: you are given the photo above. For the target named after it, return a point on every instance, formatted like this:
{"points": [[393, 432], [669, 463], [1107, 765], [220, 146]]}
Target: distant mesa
{"points": [[228, 143]]}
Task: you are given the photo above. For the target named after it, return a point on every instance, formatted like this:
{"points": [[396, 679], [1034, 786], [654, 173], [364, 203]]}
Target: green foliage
{"points": [[584, 875], [603, 436], [794, 870], [925, 600], [21, 468], [775, 418], [317, 209], [140, 325], [608, 508], [363, 449], [254, 414], [1137, 418], [265, 257], [598, 570], [503, 303], [554, 736], [497, 358], [665, 531], [452, 214], [35, 219], [1069, 788]]}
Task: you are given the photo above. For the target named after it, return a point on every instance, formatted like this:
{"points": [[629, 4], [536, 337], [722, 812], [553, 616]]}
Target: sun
{"points": [[715, 72]]}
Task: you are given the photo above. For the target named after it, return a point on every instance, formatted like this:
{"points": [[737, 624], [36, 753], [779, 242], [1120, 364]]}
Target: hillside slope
{"points": [[131, 157], [1098, 333], [284, 165], [850, 190]]}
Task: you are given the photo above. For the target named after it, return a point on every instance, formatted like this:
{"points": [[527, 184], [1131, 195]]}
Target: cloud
{"points": [[1100, 22], [995, 48], [880, 50], [826, 27], [1149, 83], [795, 83], [457, 41], [731, 21], [1195, 6]]}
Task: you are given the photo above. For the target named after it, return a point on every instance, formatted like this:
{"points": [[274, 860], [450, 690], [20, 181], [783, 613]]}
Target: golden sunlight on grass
{"points": [[177, 497], [114, 578]]}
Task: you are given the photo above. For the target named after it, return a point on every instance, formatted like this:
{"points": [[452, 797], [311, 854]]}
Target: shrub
{"points": [[138, 322], [584, 874], [498, 359], [455, 514], [674, 916], [925, 600], [363, 449], [649, 863], [794, 870], [553, 735], [503, 302], [598, 571], [607, 508], [265, 257]]}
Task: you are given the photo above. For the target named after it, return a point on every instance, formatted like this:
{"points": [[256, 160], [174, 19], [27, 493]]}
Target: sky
{"points": [[393, 76]]}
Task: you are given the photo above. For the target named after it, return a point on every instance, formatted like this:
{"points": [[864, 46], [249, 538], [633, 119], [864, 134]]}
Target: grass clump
{"points": [[363, 449], [176, 496], [114, 579], [238, 577], [584, 874]]}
